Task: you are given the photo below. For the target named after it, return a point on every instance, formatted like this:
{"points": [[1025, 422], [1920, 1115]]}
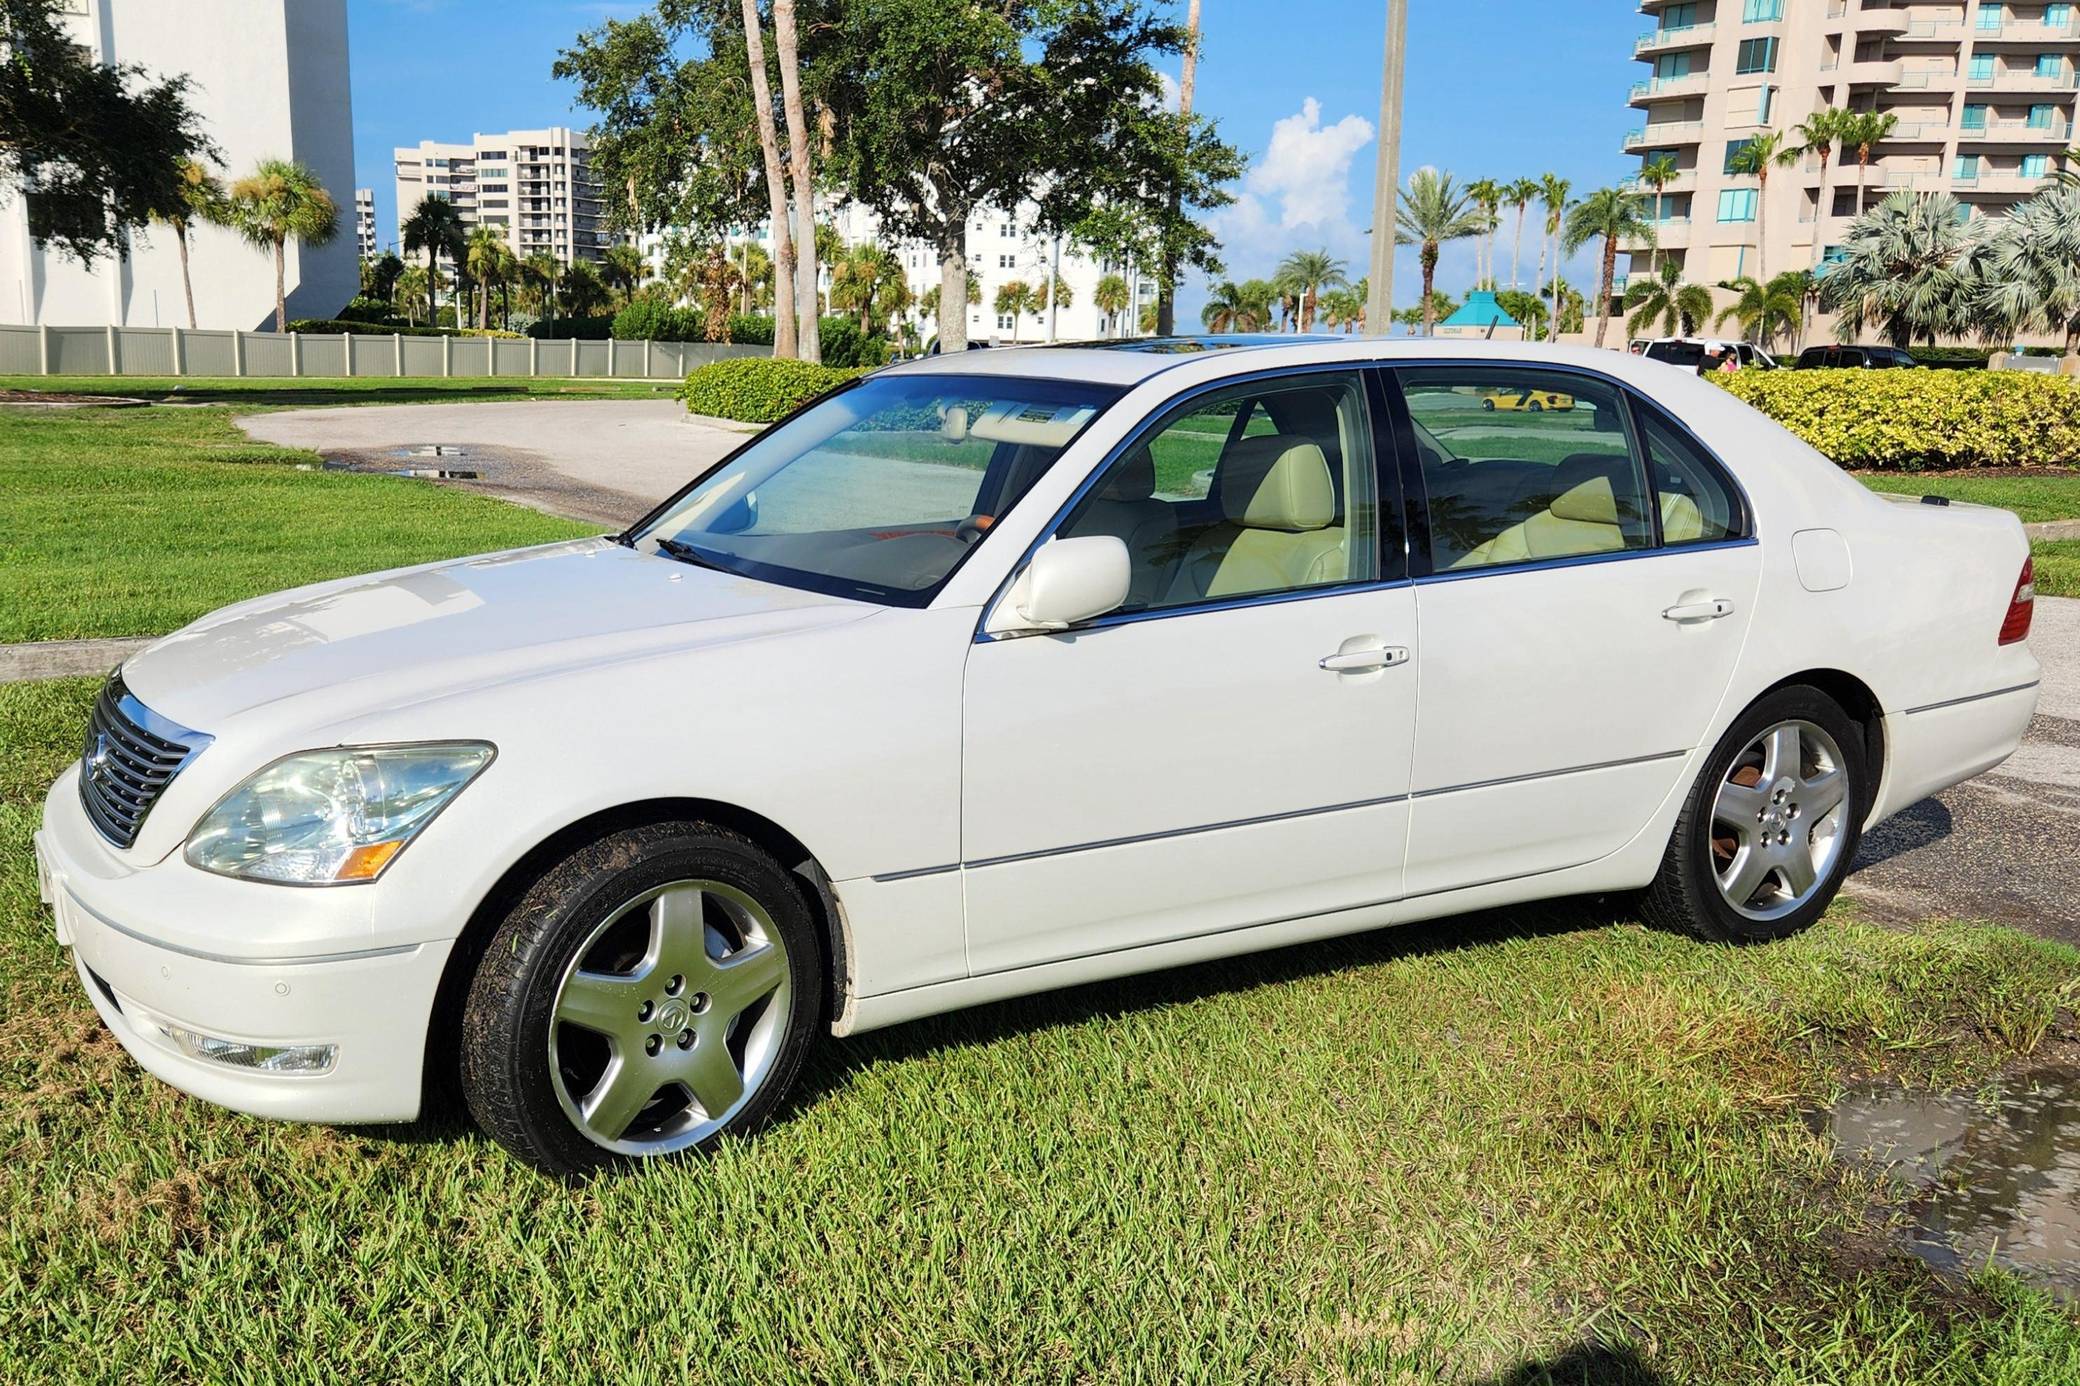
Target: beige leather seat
{"points": [[1278, 528], [1125, 507], [1588, 515]]}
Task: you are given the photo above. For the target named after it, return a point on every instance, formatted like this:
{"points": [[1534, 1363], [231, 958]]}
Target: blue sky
{"points": [[1495, 88]]}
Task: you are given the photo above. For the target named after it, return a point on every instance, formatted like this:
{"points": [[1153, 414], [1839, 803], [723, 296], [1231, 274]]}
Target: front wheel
{"points": [[1766, 836], [652, 992]]}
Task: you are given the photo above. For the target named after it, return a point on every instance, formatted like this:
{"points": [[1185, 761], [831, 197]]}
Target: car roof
{"points": [[1129, 362]]}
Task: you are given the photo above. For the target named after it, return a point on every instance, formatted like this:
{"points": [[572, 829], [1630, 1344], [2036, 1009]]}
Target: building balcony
{"points": [[1882, 73], [1684, 181], [1667, 134], [2027, 34], [1919, 132], [1927, 79], [1669, 40], [1880, 23], [1671, 233], [1997, 183], [1669, 88], [2015, 132], [1944, 31], [2022, 82]]}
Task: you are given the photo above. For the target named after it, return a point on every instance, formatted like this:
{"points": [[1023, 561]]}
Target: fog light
{"points": [[259, 1058]]}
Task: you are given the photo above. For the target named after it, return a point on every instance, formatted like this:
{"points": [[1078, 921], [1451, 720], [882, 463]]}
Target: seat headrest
{"points": [[1586, 491], [1134, 479], [1275, 482]]}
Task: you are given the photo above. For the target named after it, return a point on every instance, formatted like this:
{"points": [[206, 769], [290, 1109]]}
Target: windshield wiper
{"points": [[686, 553]]}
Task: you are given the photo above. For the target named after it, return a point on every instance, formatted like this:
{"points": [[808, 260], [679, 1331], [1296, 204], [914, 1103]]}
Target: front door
{"points": [[1232, 749], [1591, 585]]}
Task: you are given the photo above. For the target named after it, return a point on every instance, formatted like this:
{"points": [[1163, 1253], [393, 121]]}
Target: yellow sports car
{"points": [[1530, 401]]}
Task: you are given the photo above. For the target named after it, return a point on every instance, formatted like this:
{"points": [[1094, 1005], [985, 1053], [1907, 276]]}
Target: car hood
{"points": [[392, 639]]}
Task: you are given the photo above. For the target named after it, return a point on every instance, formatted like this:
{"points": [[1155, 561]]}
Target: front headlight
{"points": [[332, 817]]}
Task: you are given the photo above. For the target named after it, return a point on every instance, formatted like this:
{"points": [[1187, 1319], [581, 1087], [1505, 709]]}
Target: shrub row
{"points": [[1951, 358], [1922, 420], [596, 328], [757, 389], [329, 327]]}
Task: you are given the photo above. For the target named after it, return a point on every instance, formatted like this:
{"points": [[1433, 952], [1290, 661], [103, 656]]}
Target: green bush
{"points": [[334, 327], [1951, 358], [361, 309], [752, 329], [1922, 420], [839, 338], [596, 328], [652, 319], [757, 389]]}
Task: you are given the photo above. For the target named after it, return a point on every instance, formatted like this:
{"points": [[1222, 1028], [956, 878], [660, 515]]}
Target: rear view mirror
{"points": [[1069, 581]]}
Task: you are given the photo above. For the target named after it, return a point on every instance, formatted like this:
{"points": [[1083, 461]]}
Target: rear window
{"points": [[1677, 353]]}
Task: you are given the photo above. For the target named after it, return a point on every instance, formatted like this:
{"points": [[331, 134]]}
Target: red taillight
{"points": [[2015, 628]]}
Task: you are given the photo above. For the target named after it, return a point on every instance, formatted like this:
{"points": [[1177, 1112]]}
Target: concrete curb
{"points": [[59, 659], [2053, 529]]}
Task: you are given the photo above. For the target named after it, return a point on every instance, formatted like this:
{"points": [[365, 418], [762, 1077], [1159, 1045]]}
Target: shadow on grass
{"points": [[1588, 1364]]}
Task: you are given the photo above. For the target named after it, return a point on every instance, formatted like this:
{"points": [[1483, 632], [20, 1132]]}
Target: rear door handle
{"points": [[1361, 661], [1700, 611]]}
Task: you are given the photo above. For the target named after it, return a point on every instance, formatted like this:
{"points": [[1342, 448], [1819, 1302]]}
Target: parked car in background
{"points": [[1002, 671], [1689, 352], [1530, 401], [1874, 358]]}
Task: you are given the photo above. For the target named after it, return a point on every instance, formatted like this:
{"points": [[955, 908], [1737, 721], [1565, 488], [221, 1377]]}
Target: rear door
{"points": [[1584, 584]]}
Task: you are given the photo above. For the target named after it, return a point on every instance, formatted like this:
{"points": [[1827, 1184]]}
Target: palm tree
{"points": [[411, 291], [1225, 310], [1753, 158], [201, 200], [1764, 309], [2029, 277], [1486, 195], [867, 280], [1013, 297], [539, 275], [1818, 134], [1662, 296], [1343, 308], [1304, 274], [1432, 211], [1907, 271], [622, 269], [1521, 192], [1553, 193], [435, 228], [1860, 132], [784, 343], [1615, 215], [583, 292], [1657, 173], [278, 202], [1111, 298], [490, 262]]}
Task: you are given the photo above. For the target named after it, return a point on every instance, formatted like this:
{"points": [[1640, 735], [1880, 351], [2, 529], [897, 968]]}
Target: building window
{"points": [[1974, 117], [1989, 17], [2049, 65], [2057, 16], [1737, 204], [2036, 165], [1670, 66], [1967, 168], [1762, 110], [1733, 152], [2040, 117], [1761, 11], [1004, 320], [1756, 55], [1678, 17], [1982, 67], [1006, 261]]}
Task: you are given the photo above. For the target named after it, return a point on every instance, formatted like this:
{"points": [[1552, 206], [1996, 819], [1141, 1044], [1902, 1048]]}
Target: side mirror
{"points": [[741, 515], [1068, 582]]}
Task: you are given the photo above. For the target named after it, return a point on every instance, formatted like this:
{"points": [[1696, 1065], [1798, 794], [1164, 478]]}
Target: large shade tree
{"points": [[2028, 270], [1906, 272], [1305, 274], [1611, 215], [97, 148], [435, 227], [1433, 210], [280, 201]]}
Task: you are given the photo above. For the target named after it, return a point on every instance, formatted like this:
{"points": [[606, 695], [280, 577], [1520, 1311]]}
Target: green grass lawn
{"points": [[136, 521], [2057, 567], [1434, 1154], [274, 392], [2051, 496]]}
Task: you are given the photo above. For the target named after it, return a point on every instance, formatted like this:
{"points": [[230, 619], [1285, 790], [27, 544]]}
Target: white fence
{"points": [[184, 351]]}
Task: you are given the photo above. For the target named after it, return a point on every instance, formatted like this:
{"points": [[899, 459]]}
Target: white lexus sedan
{"points": [[1006, 671]]}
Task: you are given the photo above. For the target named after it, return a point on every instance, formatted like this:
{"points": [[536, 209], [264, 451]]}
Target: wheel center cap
{"points": [[673, 1015]]}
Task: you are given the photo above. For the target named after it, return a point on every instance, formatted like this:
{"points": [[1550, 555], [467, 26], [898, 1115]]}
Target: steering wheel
{"points": [[973, 528]]}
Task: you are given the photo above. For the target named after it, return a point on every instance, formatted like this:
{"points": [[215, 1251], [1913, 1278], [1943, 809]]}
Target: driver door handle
{"points": [[1710, 610], [1362, 661]]}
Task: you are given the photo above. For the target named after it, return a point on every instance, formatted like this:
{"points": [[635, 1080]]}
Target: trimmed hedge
{"points": [[596, 328], [1951, 358], [647, 319], [757, 389], [1922, 420], [838, 337], [333, 327]]}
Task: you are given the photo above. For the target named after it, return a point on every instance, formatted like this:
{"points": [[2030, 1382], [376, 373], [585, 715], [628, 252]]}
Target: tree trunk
{"points": [[805, 291], [1603, 293], [784, 344], [1654, 250], [180, 236], [1761, 226], [281, 295], [1540, 283], [1187, 83], [1429, 260], [953, 279], [1863, 173], [1516, 254], [433, 274], [1553, 325], [1820, 209]]}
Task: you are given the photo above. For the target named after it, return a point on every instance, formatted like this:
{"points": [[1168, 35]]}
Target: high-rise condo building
{"points": [[536, 186]]}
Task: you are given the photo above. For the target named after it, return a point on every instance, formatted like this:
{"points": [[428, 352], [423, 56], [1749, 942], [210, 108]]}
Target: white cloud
{"points": [[1307, 167]]}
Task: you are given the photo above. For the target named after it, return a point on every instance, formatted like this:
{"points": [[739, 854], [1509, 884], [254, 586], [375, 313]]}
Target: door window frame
{"points": [[1416, 495], [1390, 500]]}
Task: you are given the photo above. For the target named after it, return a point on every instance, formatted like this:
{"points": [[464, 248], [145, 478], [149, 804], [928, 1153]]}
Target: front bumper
{"points": [[139, 966]]}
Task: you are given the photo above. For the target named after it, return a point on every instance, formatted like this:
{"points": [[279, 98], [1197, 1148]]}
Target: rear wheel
{"points": [[1767, 834], [653, 992]]}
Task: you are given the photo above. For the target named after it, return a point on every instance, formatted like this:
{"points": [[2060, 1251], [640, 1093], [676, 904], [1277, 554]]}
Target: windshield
{"points": [[879, 491]]}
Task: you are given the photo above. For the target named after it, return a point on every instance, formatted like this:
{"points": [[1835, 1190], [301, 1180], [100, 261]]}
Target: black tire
{"points": [[1686, 896], [1488, 405], [1535, 407], [507, 1015]]}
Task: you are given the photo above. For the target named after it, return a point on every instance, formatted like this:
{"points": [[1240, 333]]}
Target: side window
{"points": [[1698, 504], [1521, 464], [1257, 489]]}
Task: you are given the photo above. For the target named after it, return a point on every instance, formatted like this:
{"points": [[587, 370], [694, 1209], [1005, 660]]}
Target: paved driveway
{"points": [[603, 460], [2005, 846]]}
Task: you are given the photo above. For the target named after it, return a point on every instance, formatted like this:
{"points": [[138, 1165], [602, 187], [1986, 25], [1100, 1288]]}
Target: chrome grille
{"points": [[131, 755]]}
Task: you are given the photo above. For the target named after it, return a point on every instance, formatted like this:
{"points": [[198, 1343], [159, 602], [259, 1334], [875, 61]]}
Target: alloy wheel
{"points": [[1779, 820]]}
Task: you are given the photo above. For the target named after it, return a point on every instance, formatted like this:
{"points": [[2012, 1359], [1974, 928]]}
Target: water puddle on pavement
{"points": [[1999, 1175]]}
